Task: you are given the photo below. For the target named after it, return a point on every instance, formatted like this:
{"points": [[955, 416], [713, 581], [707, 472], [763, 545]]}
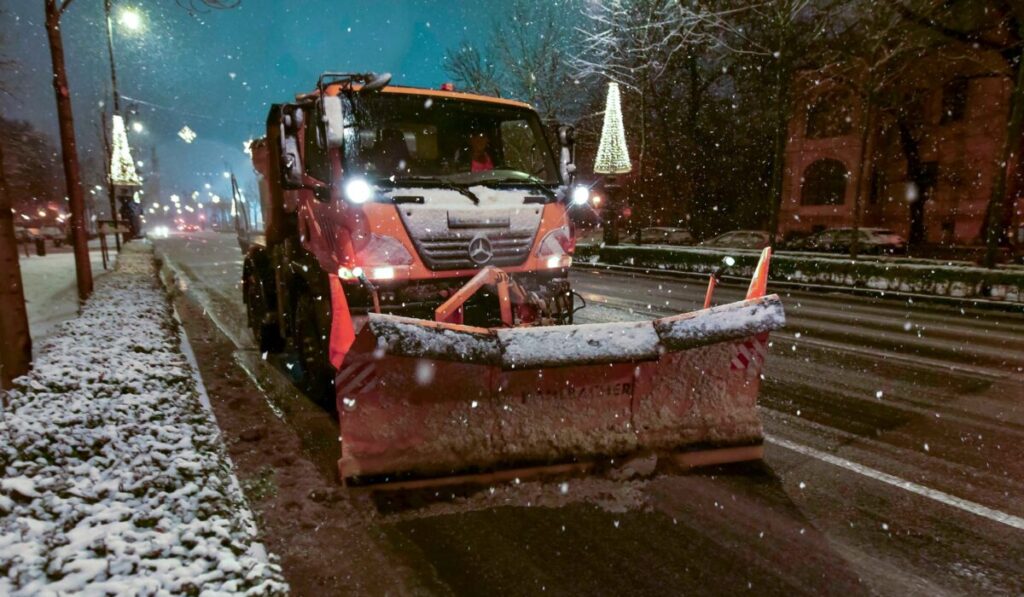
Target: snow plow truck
{"points": [[416, 261]]}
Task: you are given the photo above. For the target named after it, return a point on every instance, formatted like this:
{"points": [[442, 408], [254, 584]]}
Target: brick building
{"points": [[935, 155]]}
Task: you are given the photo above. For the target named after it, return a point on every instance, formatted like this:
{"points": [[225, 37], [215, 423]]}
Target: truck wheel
{"points": [[311, 344], [265, 332]]}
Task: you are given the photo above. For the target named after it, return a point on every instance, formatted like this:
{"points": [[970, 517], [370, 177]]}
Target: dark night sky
{"points": [[217, 72]]}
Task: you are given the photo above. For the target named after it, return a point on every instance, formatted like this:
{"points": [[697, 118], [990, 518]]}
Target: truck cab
{"points": [[400, 195]]}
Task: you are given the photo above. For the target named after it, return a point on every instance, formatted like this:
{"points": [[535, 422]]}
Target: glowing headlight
{"points": [[580, 195], [558, 261], [358, 191]]}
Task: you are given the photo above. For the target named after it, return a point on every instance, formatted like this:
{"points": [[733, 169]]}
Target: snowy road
{"points": [[893, 463]]}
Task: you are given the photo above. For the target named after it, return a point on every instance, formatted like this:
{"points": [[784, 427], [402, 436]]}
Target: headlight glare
{"points": [[358, 191]]}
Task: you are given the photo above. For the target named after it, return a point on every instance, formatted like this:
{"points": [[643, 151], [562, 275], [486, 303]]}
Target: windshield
{"points": [[453, 141]]}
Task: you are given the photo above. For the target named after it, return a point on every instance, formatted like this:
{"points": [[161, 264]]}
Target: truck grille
{"points": [[451, 251]]}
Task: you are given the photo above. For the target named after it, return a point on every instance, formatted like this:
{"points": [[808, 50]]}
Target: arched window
{"points": [[829, 116], [824, 183]]}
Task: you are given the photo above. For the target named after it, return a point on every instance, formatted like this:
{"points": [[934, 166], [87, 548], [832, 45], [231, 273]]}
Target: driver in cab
{"points": [[479, 152]]}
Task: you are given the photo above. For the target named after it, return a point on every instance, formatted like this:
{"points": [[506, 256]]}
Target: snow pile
{"points": [[114, 480], [722, 323], [587, 343]]}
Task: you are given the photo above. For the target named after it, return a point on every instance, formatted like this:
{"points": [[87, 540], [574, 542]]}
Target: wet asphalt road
{"points": [[895, 436]]}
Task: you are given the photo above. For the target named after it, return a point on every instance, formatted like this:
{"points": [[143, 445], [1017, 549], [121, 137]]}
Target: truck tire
{"points": [[311, 344], [264, 329]]}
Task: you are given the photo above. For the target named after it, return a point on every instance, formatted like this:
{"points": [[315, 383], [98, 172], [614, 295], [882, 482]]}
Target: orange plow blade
{"points": [[425, 399]]}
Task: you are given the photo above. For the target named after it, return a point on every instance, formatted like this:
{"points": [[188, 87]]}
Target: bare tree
{"points": [[769, 44], [668, 57], [525, 58], [72, 175], [872, 62], [472, 71], [15, 340]]}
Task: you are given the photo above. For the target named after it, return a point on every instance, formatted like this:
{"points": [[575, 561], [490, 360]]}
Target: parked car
{"points": [[54, 233], [873, 241], [190, 228], [27, 235], [664, 235], [739, 239]]}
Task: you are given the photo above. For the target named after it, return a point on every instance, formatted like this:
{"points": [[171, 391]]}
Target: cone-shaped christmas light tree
{"points": [[612, 153], [124, 180], [122, 167]]}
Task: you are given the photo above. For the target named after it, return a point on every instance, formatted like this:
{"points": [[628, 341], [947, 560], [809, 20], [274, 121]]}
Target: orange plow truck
{"points": [[416, 263]]}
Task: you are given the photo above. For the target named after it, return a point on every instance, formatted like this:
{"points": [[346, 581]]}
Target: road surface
{"points": [[893, 464]]}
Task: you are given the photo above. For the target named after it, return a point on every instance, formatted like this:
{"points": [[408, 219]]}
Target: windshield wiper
{"points": [[515, 182], [435, 182]]}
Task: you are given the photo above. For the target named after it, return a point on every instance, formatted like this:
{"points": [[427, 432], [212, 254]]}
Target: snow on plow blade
{"points": [[418, 398]]}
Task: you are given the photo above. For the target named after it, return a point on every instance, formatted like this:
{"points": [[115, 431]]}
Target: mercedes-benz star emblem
{"points": [[480, 251]]}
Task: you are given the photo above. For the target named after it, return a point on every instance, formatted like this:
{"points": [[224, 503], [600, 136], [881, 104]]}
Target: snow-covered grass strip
{"points": [[114, 478], [888, 274]]}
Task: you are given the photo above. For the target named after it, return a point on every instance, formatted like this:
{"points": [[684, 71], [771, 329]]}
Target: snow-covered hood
{"points": [[442, 222]]}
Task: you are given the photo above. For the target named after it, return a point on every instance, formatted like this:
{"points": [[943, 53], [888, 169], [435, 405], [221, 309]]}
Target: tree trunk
{"points": [[864, 168], [72, 176], [996, 212], [15, 341], [778, 158]]}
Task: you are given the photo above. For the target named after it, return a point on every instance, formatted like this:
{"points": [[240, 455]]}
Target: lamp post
{"points": [[612, 160], [117, 190]]}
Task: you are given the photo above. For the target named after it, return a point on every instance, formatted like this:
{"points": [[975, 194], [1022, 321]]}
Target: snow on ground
{"points": [[114, 480], [51, 295]]}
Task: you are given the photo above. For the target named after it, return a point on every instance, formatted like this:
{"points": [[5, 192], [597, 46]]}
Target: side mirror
{"points": [[377, 82], [291, 167], [567, 155], [333, 121]]}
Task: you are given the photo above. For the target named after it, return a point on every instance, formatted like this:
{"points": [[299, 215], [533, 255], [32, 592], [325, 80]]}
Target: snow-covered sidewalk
{"points": [[114, 479], [50, 292]]}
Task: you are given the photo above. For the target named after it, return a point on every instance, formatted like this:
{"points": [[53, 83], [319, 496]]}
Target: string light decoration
{"points": [[122, 166], [612, 153]]}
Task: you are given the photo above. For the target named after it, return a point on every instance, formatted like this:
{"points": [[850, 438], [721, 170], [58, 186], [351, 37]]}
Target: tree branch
{"points": [[967, 37]]}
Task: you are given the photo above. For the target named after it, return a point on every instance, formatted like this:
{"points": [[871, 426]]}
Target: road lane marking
{"points": [[932, 494]]}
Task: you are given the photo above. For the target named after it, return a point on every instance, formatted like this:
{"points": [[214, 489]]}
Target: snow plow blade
{"points": [[422, 399]]}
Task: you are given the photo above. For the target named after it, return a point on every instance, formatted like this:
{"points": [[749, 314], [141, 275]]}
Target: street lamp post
{"points": [[110, 53], [132, 20]]}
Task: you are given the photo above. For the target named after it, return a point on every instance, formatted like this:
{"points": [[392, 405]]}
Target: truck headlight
{"points": [[358, 191], [559, 241], [580, 195]]}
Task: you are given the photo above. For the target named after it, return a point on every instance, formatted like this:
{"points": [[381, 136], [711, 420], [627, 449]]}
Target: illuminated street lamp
{"points": [[130, 19]]}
